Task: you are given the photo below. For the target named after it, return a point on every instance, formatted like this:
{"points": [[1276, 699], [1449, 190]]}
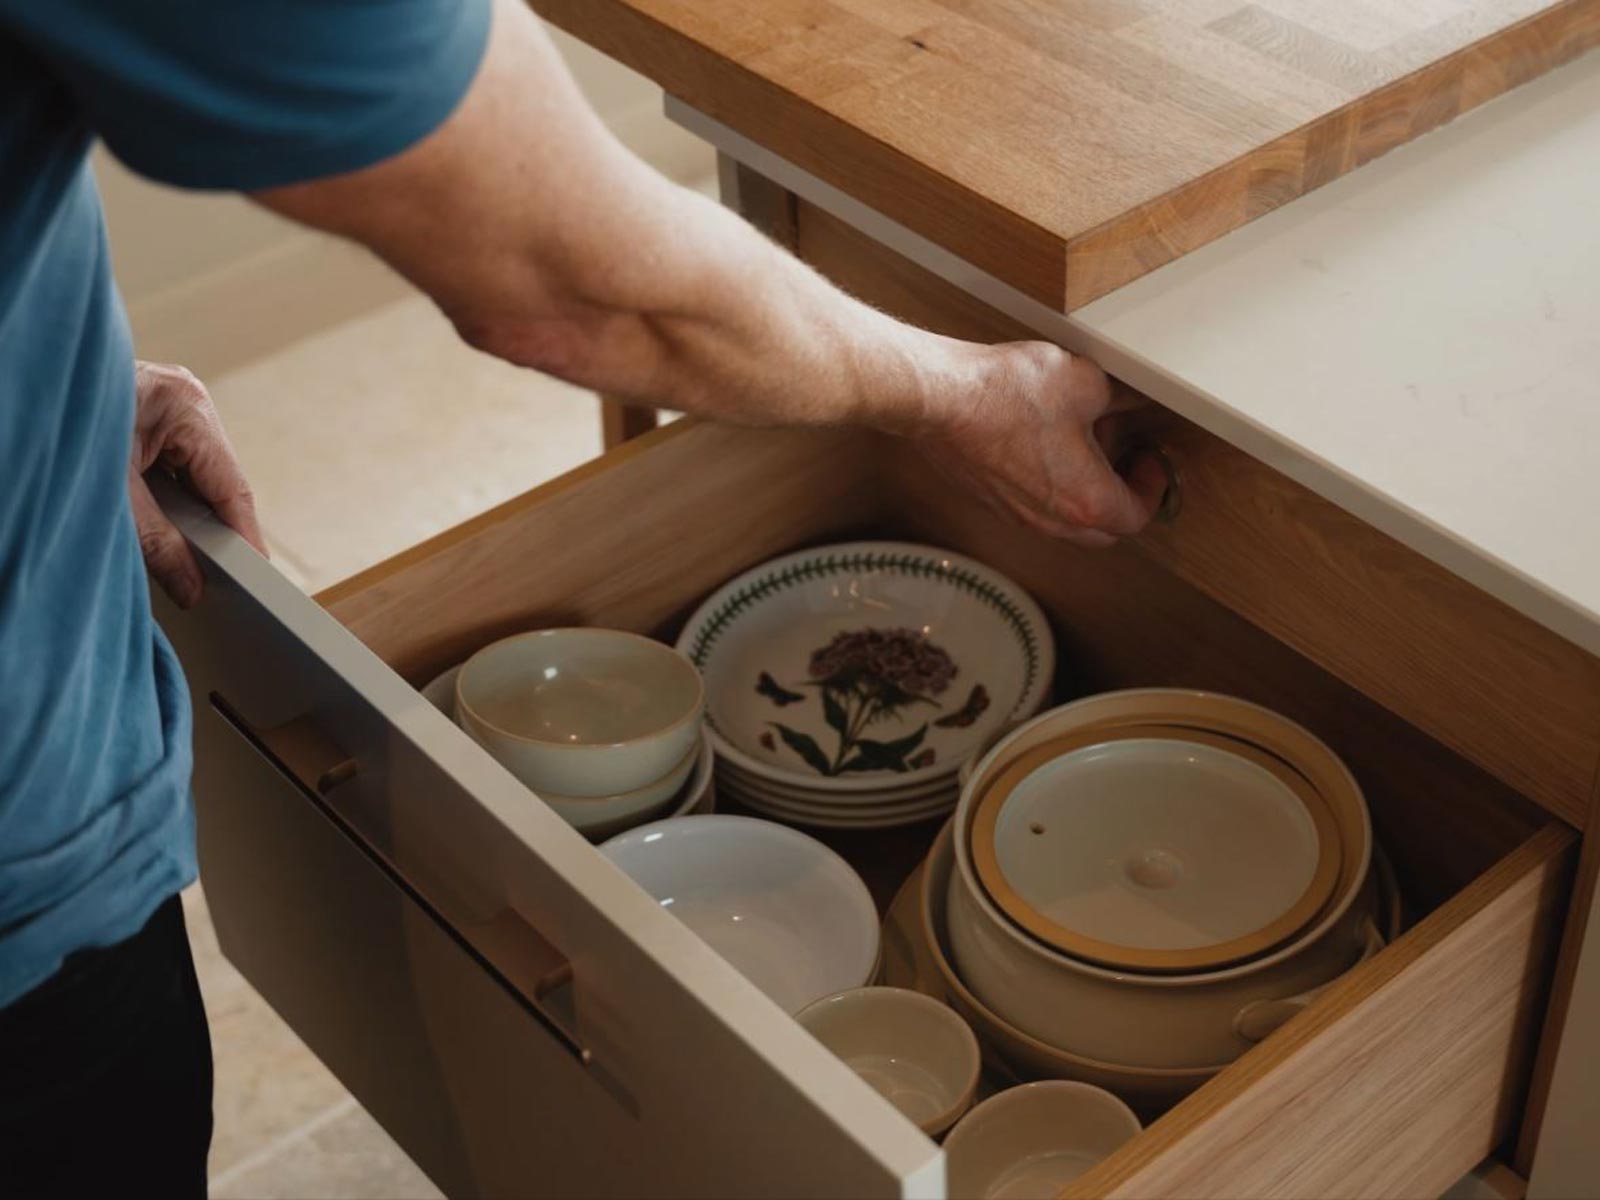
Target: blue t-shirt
{"points": [[96, 827]]}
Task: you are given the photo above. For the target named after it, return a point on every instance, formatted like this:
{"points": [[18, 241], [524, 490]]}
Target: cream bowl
{"points": [[915, 1052], [601, 817], [582, 712], [791, 915], [1189, 1020], [1029, 1142]]}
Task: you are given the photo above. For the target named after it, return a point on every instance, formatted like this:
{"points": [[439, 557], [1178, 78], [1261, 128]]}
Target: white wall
{"points": [[212, 281]]}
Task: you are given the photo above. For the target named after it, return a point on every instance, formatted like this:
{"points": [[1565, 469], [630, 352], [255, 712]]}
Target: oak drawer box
{"points": [[525, 1021]]}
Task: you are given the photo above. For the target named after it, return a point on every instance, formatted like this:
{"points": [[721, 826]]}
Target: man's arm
{"points": [[550, 245]]}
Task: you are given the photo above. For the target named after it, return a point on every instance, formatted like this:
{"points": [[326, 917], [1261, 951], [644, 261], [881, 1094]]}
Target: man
{"points": [[446, 136]]}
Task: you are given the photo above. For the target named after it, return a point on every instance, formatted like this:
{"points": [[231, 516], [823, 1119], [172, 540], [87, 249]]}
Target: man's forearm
{"points": [[549, 244], [699, 312], [571, 256]]}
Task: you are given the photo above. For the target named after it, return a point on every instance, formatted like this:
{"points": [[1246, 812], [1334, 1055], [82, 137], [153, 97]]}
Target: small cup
{"points": [[582, 712], [1029, 1142], [917, 1053]]}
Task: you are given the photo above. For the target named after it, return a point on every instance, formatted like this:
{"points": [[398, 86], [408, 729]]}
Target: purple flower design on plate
{"points": [[866, 677]]}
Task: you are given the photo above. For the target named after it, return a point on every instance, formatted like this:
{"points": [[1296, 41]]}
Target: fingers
{"points": [[178, 424], [216, 477], [166, 553], [1115, 504], [1125, 399]]}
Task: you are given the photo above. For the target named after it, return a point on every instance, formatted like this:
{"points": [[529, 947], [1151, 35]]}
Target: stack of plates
{"points": [[846, 685]]}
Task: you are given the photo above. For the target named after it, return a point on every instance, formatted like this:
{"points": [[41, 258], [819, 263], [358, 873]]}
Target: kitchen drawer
{"points": [[408, 907], [1523, 702]]}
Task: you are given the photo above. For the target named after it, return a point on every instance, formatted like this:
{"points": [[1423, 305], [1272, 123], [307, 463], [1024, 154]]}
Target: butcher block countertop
{"points": [[1069, 147]]}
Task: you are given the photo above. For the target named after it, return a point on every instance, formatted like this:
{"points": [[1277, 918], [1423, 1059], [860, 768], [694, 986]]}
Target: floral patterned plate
{"points": [[910, 793], [851, 667], [839, 817]]}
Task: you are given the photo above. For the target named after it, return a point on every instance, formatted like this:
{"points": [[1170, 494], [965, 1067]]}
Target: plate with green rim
{"points": [[850, 667]]}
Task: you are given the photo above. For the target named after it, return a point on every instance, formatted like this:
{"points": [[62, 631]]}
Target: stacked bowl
{"points": [[1139, 886], [846, 685], [604, 725]]}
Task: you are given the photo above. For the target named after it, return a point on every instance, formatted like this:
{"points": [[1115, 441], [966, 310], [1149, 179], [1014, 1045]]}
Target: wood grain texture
{"points": [[1577, 929], [1402, 1077], [637, 548], [621, 422], [625, 541], [1070, 148], [764, 204], [1493, 685], [1121, 620]]}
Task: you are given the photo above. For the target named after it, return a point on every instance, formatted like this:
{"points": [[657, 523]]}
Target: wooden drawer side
{"points": [[1405, 1074], [623, 541]]}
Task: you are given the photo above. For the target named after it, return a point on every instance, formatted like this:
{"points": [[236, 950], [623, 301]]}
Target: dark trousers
{"points": [[105, 1074]]}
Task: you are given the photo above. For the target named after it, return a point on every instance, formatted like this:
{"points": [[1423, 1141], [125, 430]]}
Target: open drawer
{"points": [[525, 1021]]}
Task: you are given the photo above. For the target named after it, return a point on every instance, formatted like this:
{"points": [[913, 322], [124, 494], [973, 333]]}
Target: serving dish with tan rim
{"points": [[1197, 851], [916, 955], [1148, 1019], [358, 846]]}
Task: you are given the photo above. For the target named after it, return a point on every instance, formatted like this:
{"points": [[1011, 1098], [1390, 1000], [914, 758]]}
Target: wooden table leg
{"points": [[619, 422]]}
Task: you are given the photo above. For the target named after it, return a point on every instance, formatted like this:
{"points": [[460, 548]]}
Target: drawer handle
{"points": [[1259, 1018], [1172, 497], [516, 955]]}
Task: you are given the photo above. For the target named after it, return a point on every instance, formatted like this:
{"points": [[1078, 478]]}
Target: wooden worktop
{"points": [[1070, 146]]}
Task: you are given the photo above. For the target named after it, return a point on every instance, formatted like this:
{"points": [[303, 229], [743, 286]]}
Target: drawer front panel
{"points": [[402, 915], [1522, 702]]}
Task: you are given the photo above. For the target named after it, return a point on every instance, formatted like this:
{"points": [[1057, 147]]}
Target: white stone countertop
{"points": [[1418, 341]]}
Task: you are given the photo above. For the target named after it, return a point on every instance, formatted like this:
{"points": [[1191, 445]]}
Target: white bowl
{"points": [[604, 816], [788, 912], [919, 1054], [1029, 1142], [582, 712], [697, 795], [962, 649], [1191, 1020]]}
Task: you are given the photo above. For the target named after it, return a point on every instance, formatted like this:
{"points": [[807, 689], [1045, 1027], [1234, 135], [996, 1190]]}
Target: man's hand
{"points": [[175, 424], [1035, 440]]}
